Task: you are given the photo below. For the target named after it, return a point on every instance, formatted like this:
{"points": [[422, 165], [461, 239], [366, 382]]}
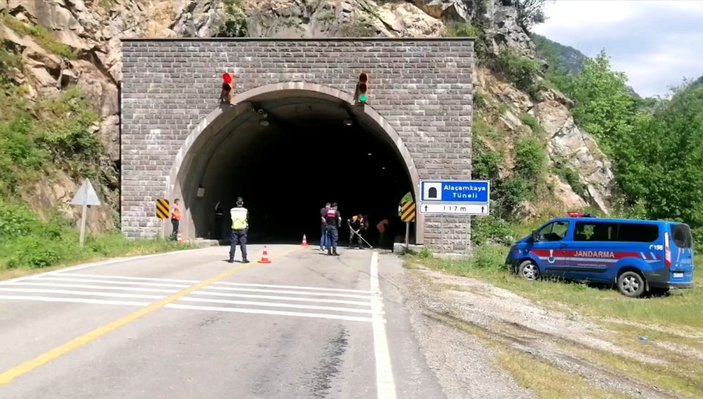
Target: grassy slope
{"points": [[36, 140]]}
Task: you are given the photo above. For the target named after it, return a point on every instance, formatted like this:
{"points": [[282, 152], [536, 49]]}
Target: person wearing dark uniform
{"points": [[240, 227], [332, 219], [355, 230], [323, 227]]}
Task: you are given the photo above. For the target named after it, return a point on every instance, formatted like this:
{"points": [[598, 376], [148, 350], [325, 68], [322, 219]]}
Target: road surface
{"points": [[191, 325]]}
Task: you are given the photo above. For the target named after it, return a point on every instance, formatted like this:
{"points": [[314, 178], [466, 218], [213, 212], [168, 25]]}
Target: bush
{"points": [[485, 162], [490, 229], [489, 257], [572, 178], [530, 159], [531, 121], [521, 71], [16, 221], [510, 193]]}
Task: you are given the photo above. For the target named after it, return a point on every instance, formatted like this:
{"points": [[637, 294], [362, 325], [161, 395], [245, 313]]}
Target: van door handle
{"points": [[563, 245]]}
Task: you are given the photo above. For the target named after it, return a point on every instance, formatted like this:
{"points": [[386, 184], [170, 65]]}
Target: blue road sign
{"points": [[464, 192]]}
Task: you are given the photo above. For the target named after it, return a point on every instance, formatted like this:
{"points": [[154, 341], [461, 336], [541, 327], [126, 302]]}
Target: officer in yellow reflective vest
{"points": [[240, 226]]}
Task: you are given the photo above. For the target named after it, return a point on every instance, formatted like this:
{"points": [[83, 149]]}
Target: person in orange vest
{"points": [[175, 218]]}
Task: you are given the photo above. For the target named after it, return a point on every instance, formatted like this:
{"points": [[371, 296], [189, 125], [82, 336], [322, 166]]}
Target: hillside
{"points": [[61, 68]]}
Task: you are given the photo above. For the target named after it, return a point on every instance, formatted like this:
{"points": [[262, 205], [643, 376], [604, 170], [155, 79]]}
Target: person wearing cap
{"points": [[240, 226], [331, 219]]}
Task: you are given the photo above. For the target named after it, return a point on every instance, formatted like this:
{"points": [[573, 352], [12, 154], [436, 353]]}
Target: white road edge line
{"points": [[270, 312], [385, 384]]}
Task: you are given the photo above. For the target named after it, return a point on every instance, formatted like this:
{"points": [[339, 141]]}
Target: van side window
{"points": [[590, 231], [554, 231], [636, 232]]}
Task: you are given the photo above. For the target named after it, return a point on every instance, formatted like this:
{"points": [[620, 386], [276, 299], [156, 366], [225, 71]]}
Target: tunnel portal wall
{"points": [[422, 88]]}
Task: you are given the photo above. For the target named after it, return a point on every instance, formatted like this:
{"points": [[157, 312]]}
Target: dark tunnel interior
{"points": [[310, 151]]}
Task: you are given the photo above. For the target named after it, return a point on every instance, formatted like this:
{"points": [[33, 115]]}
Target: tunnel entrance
{"points": [[287, 152]]}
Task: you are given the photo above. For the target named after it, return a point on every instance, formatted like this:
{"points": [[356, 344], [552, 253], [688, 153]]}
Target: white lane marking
{"points": [[88, 293], [89, 286], [71, 300], [287, 298], [108, 262], [276, 305], [211, 288], [167, 280], [385, 384], [269, 312], [294, 287], [89, 280]]}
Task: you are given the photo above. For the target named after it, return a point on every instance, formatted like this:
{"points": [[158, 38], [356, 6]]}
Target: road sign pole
{"points": [[407, 236], [83, 217]]}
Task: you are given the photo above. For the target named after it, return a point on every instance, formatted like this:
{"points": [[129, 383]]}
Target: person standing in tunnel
{"points": [[240, 227], [175, 218], [332, 220], [323, 227], [382, 228]]}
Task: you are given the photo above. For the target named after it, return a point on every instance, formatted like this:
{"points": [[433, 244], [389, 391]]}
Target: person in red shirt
{"points": [[382, 228]]}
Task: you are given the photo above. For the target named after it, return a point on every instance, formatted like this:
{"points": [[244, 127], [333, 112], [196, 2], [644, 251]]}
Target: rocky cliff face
{"points": [[81, 45]]}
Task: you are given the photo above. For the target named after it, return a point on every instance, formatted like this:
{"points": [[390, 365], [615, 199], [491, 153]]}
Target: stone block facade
{"points": [[421, 87]]}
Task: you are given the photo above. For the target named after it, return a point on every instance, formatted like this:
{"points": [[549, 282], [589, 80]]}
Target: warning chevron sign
{"points": [[162, 211], [407, 211]]}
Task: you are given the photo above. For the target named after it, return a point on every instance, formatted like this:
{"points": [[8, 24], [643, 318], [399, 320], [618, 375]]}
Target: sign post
{"points": [[407, 215], [85, 197], [470, 197]]}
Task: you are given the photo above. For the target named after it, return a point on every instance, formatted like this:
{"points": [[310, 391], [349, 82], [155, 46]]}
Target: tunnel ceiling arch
{"points": [[178, 143]]}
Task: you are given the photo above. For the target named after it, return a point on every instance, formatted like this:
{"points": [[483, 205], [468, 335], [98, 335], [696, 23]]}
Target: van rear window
{"points": [[681, 234], [620, 232]]}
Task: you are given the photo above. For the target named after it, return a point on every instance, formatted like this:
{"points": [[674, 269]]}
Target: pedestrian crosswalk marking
{"points": [[89, 293], [227, 294], [232, 297]]}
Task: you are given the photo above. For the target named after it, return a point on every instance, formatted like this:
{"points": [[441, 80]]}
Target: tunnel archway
{"points": [[287, 148]]}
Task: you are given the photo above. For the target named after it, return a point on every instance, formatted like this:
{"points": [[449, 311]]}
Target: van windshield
{"points": [[681, 234]]}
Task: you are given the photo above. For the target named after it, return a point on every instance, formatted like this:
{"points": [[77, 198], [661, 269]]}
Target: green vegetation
{"points": [[40, 34], [236, 23], [656, 146], [36, 140], [678, 312], [26, 242], [521, 71]]}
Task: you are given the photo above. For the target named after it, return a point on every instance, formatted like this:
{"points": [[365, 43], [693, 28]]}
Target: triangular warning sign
{"points": [[86, 195]]}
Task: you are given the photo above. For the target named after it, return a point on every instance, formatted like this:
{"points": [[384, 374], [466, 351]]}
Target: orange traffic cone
{"points": [[265, 256], [305, 241]]}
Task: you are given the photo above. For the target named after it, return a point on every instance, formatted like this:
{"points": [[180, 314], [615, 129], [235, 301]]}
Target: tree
{"points": [[604, 106], [529, 12]]}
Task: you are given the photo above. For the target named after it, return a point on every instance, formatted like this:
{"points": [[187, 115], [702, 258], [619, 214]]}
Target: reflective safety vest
{"points": [[239, 218]]}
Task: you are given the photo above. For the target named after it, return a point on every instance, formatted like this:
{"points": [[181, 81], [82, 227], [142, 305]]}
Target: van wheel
{"points": [[631, 284], [528, 270]]}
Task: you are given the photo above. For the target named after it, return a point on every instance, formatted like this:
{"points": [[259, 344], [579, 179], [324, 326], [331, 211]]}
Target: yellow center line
{"points": [[76, 343]]}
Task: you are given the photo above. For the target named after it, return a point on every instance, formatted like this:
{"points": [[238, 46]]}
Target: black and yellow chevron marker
{"points": [[407, 212], [162, 209]]}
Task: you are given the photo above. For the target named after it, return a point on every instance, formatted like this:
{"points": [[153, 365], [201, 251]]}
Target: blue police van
{"points": [[639, 256]]}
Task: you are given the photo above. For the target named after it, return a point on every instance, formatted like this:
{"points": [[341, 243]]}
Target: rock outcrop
{"points": [[80, 44]]}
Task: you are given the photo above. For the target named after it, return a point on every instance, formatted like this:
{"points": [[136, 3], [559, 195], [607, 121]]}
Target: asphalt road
{"points": [[191, 325]]}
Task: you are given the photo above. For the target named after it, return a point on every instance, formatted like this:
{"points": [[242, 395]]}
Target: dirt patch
{"points": [[460, 320]]}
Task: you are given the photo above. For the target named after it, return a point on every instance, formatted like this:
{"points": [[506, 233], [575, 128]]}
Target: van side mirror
{"points": [[535, 236]]}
